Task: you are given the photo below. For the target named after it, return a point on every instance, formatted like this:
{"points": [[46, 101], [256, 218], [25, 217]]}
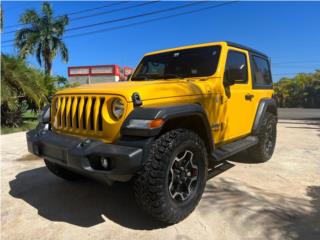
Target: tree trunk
{"points": [[48, 67], [47, 61]]}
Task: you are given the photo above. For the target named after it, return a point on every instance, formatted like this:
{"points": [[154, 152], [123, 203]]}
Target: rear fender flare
{"points": [[265, 105]]}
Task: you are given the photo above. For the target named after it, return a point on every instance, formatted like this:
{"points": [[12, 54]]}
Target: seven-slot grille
{"points": [[79, 113]]}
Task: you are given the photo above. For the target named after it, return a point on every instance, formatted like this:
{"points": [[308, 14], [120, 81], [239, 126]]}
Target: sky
{"points": [[288, 32]]}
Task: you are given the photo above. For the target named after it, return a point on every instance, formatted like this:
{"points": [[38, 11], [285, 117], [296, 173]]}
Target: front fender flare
{"points": [[166, 113]]}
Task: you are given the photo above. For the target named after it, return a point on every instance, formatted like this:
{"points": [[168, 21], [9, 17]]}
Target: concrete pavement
{"points": [[279, 199]]}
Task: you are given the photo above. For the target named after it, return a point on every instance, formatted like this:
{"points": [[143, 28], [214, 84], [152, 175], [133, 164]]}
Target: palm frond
{"points": [[26, 41], [63, 51], [47, 10], [30, 17], [60, 46], [59, 25]]}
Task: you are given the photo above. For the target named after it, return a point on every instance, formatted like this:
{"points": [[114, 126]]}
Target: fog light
{"points": [[105, 162]]}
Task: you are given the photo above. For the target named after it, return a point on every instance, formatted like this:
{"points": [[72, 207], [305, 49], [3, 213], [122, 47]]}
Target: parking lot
{"points": [[279, 199]]}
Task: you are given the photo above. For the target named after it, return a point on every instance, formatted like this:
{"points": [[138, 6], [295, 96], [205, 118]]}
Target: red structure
{"points": [[98, 73]]}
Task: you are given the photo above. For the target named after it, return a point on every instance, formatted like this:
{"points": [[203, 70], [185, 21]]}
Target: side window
{"points": [[236, 67], [261, 74]]}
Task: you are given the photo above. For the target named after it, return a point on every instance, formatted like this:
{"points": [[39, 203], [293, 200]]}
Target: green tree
{"points": [[42, 36], [303, 90], [21, 88], [61, 81]]}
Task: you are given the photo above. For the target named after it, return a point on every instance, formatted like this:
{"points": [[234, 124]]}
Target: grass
{"points": [[29, 122], [27, 125], [29, 115]]}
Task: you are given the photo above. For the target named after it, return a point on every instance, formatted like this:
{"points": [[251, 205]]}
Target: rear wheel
{"points": [[263, 151], [62, 172], [173, 178]]}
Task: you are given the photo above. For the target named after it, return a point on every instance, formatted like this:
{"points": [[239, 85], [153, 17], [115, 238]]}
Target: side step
{"points": [[230, 149], [219, 168]]}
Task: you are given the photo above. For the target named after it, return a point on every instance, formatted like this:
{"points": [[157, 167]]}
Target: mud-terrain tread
{"points": [[149, 184]]}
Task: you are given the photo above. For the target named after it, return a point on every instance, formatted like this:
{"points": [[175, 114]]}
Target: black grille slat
{"points": [[100, 125], [92, 114], [71, 112], [84, 119], [59, 112], [65, 112], [77, 112]]}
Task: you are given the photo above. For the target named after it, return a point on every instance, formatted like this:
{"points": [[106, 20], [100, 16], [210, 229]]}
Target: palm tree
{"points": [[42, 36]]}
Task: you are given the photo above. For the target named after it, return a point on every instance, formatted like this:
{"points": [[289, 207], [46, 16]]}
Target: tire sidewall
{"points": [[258, 153], [270, 119]]}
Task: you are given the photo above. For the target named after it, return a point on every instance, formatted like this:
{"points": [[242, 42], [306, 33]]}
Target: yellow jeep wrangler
{"points": [[182, 112]]}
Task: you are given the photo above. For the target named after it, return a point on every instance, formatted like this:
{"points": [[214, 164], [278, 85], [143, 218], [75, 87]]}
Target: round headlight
{"points": [[117, 108]]}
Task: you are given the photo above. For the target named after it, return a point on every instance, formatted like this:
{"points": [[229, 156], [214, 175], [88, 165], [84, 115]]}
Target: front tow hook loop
{"points": [[84, 143]]}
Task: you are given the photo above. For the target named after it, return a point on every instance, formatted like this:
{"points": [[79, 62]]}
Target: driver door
{"points": [[238, 98]]}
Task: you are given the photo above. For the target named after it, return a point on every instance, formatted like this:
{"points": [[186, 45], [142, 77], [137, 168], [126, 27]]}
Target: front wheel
{"points": [[173, 177]]}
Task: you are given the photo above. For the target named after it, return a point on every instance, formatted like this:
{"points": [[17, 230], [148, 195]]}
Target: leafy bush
{"points": [[22, 87], [303, 90]]}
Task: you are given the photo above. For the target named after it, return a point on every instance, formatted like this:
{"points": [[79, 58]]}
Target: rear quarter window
{"points": [[261, 72]]}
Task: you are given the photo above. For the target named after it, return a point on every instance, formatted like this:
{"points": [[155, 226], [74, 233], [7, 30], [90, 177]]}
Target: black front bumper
{"points": [[82, 155]]}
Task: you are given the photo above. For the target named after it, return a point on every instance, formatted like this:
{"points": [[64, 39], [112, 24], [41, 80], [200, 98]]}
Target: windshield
{"points": [[194, 62]]}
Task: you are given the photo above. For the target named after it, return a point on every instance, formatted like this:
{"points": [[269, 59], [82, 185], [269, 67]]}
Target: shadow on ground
{"points": [[305, 124], [278, 216], [85, 203], [242, 157], [82, 203]]}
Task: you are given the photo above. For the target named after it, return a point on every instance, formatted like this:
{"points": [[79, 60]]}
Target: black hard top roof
{"points": [[232, 44]]}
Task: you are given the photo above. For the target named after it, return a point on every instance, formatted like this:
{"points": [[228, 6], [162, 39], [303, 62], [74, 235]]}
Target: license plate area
{"points": [[54, 152]]}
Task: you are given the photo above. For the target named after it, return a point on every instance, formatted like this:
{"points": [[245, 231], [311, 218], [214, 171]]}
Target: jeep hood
{"points": [[147, 89]]}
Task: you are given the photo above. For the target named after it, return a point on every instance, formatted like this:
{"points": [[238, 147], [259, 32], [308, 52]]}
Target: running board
{"points": [[219, 168], [230, 149]]}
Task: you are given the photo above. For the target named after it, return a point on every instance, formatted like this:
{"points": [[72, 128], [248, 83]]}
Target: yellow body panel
{"points": [[230, 116]]}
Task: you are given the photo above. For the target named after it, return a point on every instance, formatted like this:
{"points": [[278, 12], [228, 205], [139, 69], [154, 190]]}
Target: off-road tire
{"points": [[151, 182], [261, 152], [62, 172]]}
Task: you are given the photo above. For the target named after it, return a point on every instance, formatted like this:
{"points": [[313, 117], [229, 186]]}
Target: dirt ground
{"points": [[279, 199]]}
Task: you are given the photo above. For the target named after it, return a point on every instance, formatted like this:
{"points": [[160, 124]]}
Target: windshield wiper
{"points": [[170, 75]]}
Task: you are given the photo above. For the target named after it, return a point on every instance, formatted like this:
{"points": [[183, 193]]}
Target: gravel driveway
{"points": [[279, 199]]}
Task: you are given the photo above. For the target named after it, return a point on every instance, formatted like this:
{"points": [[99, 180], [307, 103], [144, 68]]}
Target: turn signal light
{"points": [[156, 123]]}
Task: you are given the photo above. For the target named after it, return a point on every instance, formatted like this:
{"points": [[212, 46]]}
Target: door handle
{"points": [[249, 96]]}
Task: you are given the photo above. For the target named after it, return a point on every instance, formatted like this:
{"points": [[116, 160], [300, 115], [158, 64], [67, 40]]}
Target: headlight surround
{"points": [[45, 115], [117, 108]]}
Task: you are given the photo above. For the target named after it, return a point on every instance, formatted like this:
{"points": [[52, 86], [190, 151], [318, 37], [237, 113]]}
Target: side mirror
{"points": [[128, 77]]}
